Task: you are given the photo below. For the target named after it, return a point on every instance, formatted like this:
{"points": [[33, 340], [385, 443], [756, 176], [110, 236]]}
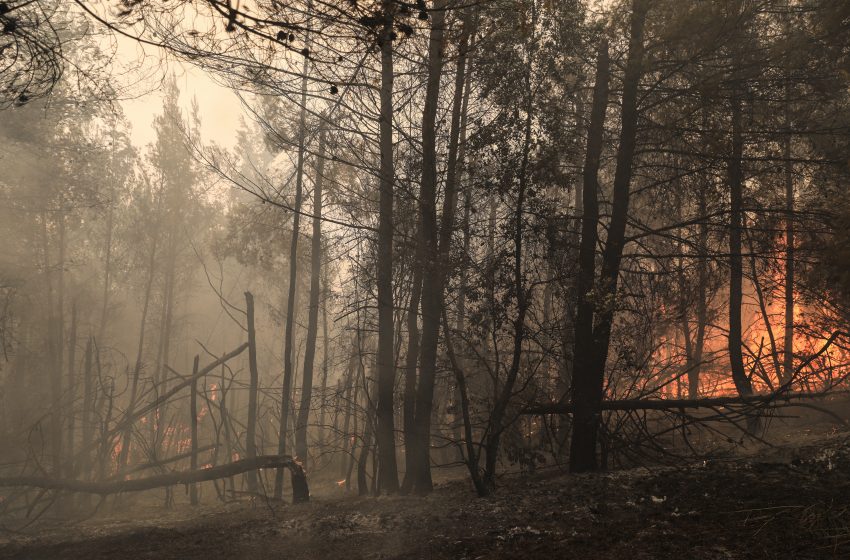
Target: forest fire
{"points": [[763, 338], [301, 279]]}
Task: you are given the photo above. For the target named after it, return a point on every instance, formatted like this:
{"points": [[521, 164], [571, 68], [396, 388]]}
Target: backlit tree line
{"points": [[448, 234]]}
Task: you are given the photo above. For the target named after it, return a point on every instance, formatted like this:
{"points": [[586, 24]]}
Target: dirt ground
{"points": [[788, 502]]}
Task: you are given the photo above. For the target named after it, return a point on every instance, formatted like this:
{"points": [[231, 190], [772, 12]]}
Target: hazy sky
{"points": [[219, 107]]}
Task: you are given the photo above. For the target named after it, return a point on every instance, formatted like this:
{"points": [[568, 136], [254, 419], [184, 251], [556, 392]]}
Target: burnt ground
{"points": [[786, 502]]}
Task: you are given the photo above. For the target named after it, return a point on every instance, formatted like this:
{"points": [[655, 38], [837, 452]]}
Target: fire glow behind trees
{"points": [[381, 244]]}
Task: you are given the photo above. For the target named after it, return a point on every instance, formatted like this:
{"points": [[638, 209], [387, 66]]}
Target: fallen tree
{"points": [[679, 404], [781, 394], [186, 382], [300, 489]]}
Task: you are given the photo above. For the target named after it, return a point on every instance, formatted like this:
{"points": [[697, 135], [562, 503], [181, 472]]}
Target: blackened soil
{"points": [[791, 504]]}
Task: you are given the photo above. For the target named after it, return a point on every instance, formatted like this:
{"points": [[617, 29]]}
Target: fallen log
{"points": [[780, 394], [678, 404], [299, 479]]}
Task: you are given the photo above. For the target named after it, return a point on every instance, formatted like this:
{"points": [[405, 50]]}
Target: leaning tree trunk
{"points": [[589, 391]]}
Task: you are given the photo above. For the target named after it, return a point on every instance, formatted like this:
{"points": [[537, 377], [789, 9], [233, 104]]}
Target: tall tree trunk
{"points": [[251, 428], [385, 431], [59, 345], [583, 324], [788, 349], [588, 392], [348, 396], [736, 185], [412, 361], [288, 364], [193, 423], [70, 402], [86, 425], [107, 266], [325, 358], [313, 315], [226, 422], [429, 238], [702, 303], [368, 423]]}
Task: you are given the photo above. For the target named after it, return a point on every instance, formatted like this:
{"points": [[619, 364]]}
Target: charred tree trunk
{"points": [[432, 282], [253, 383], [107, 265], [313, 315], [325, 359], [736, 185], [59, 346], [788, 349], [288, 364], [84, 469], [589, 385], [583, 324], [385, 431], [411, 363], [349, 406], [702, 302], [193, 423], [71, 400]]}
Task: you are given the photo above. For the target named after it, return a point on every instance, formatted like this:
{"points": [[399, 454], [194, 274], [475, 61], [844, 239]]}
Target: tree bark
{"points": [[432, 285], [702, 303], [736, 185], [589, 385], [193, 422], [288, 365], [583, 324], [313, 314], [385, 431], [71, 391], [84, 469], [158, 481], [253, 384], [411, 362], [788, 349], [325, 359]]}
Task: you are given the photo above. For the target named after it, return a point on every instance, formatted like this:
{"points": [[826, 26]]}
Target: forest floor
{"points": [[791, 501]]}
